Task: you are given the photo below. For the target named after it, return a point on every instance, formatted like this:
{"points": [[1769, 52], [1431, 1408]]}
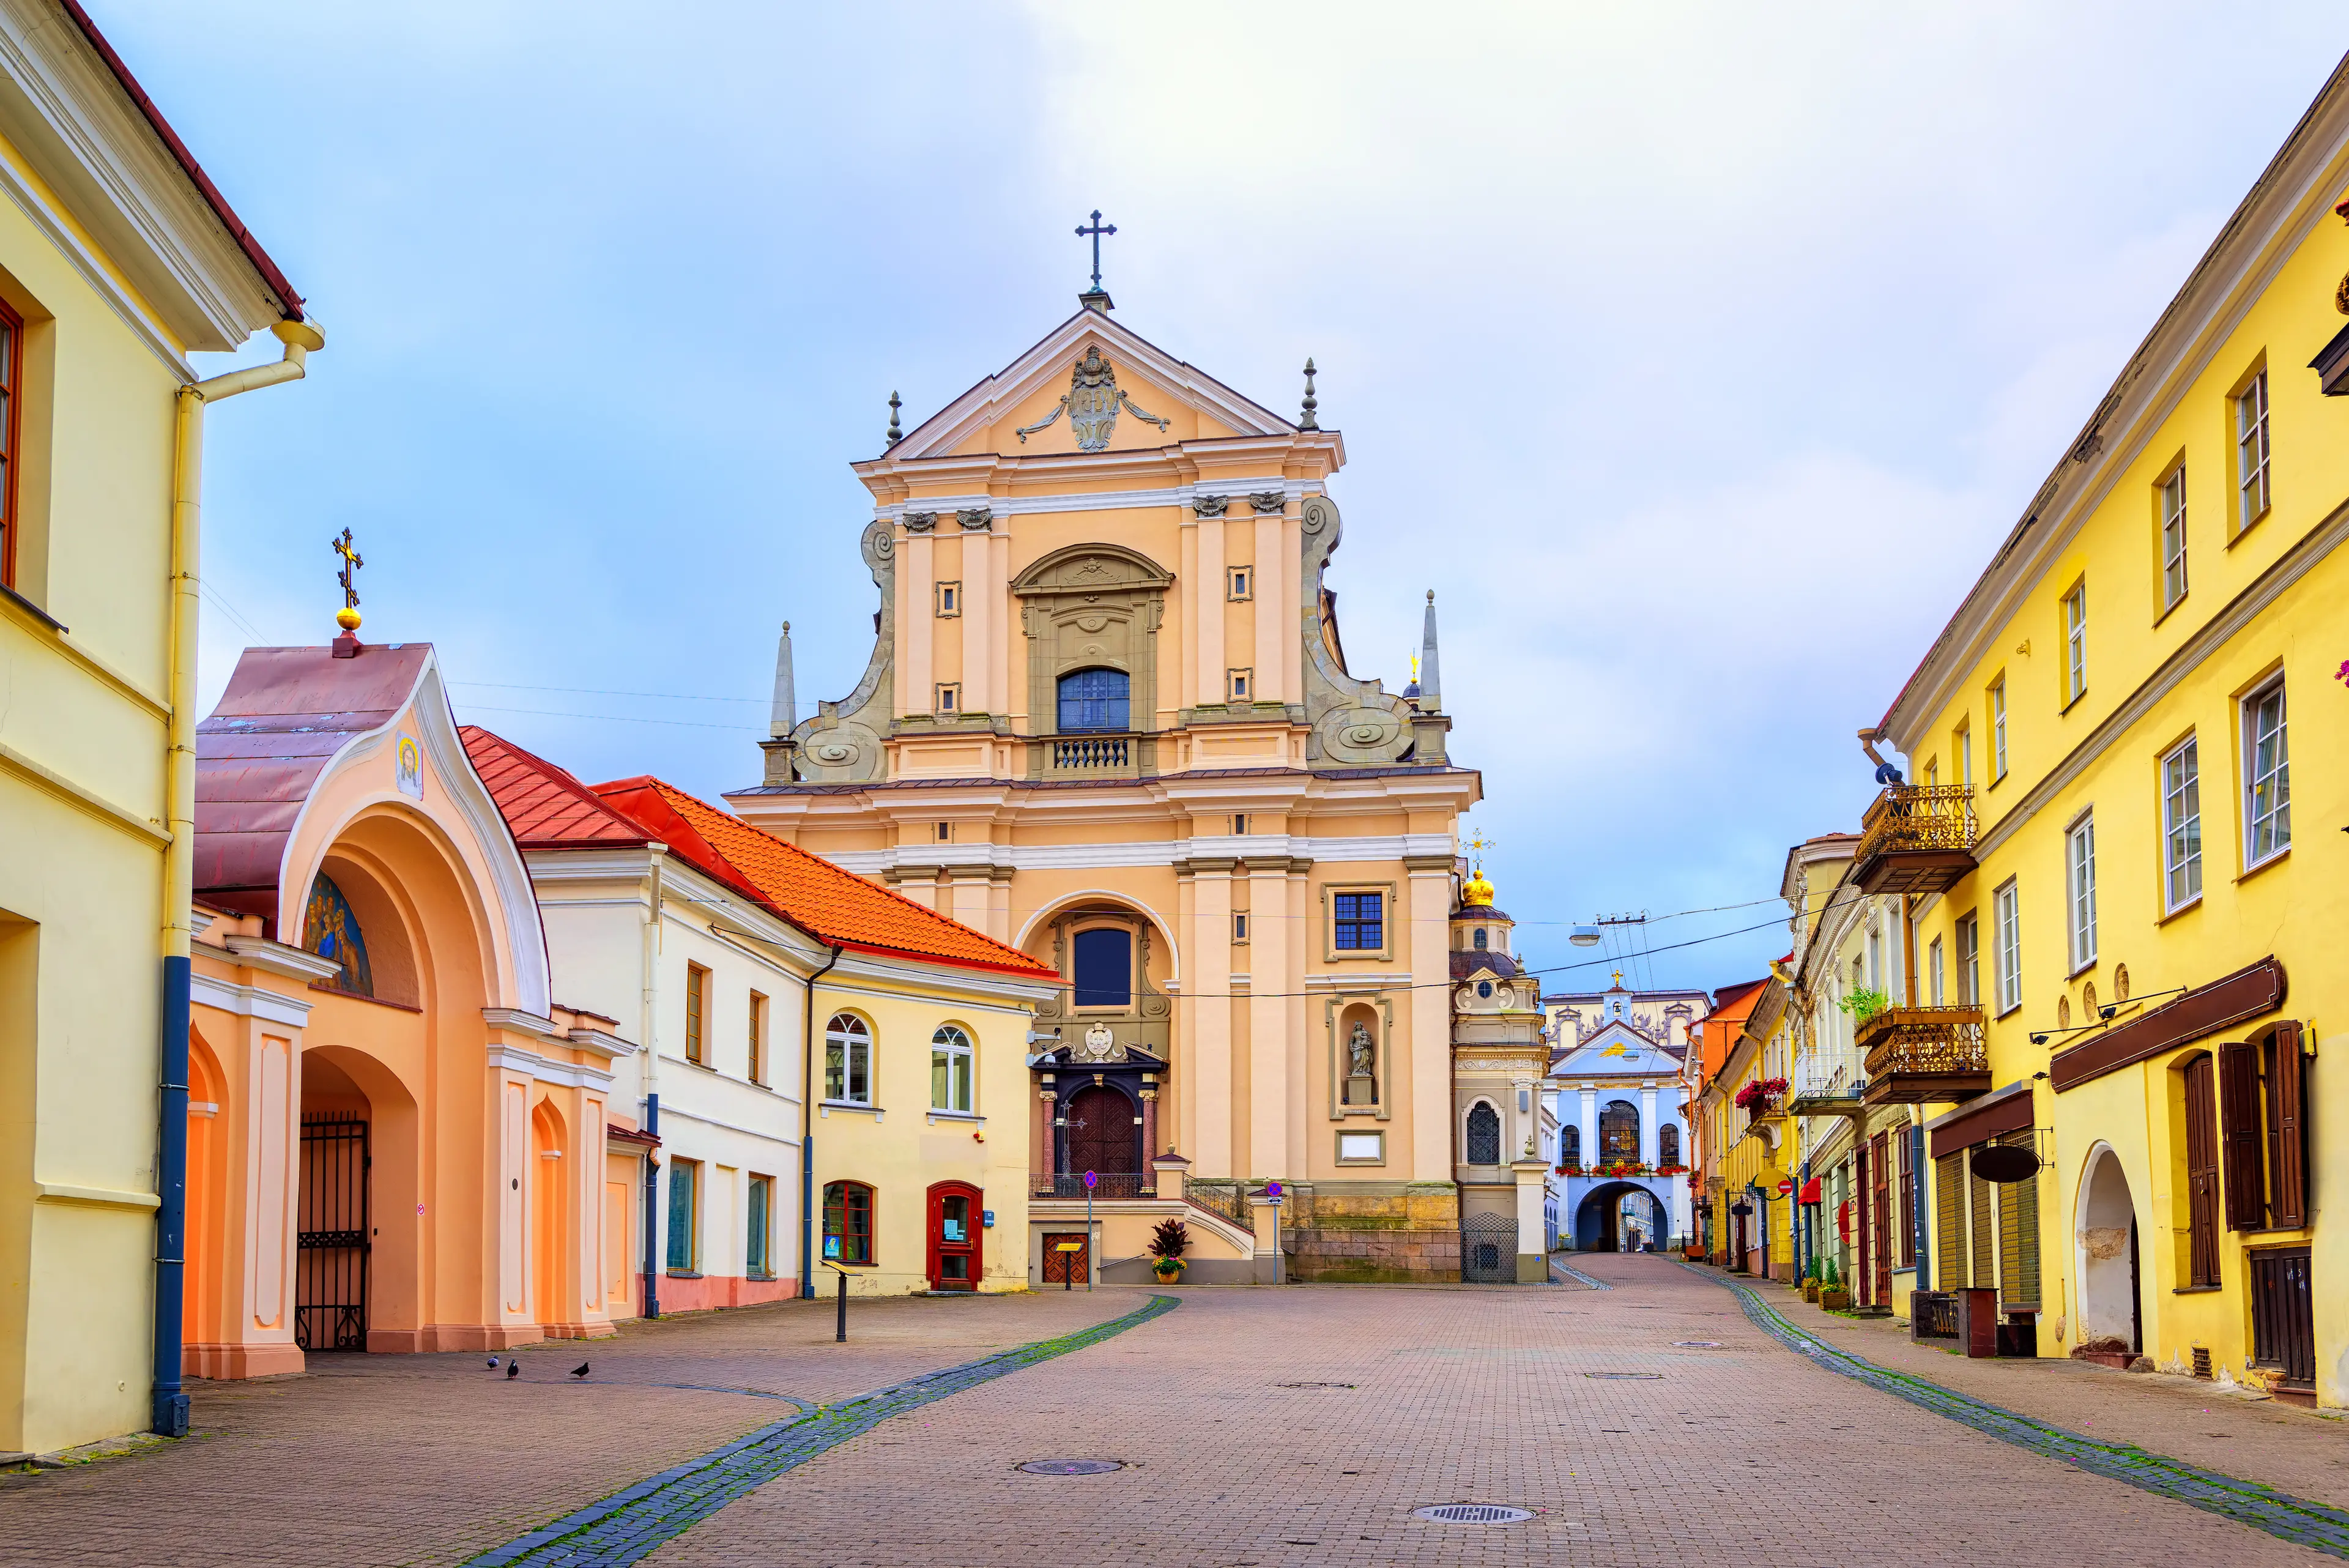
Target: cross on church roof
{"points": [[1096, 231]]}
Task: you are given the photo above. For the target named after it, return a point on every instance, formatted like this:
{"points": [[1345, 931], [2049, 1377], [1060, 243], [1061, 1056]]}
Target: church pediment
{"points": [[1616, 1050], [1091, 384]]}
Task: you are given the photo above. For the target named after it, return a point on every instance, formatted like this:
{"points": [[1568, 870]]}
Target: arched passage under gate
{"points": [[2109, 1314], [1621, 1216]]}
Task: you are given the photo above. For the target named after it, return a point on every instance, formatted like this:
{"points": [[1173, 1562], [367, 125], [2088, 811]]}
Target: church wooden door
{"points": [[955, 1260], [1102, 1138]]}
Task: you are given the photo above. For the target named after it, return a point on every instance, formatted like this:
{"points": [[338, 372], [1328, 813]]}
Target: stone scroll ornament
{"points": [[1092, 404], [842, 742], [1355, 722]]}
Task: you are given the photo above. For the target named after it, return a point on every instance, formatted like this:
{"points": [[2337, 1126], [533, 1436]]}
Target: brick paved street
{"points": [[1457, 1395]]}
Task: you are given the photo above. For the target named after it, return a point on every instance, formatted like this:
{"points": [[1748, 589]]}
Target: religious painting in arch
{"points": [[1619, 1132], [1668, 1145], [331, 930]]}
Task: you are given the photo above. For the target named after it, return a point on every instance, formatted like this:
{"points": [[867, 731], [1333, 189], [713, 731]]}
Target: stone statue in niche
{"points": [[1362, 1062], [1360, 1049]]}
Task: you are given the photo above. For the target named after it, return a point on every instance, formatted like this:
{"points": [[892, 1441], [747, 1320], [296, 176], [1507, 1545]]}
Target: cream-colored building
{"points": [[117, 259], [1108, 720]]}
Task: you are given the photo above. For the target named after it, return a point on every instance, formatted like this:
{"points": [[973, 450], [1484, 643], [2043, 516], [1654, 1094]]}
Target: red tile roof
{"points": [[545, 807], [548, 808], [834, 905]]}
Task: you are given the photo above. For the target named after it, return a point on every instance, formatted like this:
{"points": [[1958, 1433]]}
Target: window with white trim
{"points": [[950, 1070], [1969, 932], [1998, 730], [848, 1060], [2267, 777], [1933, 972], [2181, 825], [2076, 643], [1962, 747], [2006, 917], [2080, 862], [2173, 538], [2251, 451]]}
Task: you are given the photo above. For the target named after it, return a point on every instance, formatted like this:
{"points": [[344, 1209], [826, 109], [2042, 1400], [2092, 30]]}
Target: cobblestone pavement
{"points": [[384, 1460], [1652, 1422]]}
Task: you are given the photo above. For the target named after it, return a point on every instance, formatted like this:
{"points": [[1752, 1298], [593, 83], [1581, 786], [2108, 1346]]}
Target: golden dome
{"points": [[1477, 889]]}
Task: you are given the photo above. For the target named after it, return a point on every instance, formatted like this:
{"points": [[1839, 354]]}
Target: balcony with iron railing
{"points": [[1828, 1080], [1109, 1186], [1916, 1054], [1916, 838]]}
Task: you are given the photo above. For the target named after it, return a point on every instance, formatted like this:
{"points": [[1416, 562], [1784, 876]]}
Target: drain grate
{"points": [[1473, 1513], [1696, 1344], [1625, 1377], [1072, 1467], [1313, 1386]]}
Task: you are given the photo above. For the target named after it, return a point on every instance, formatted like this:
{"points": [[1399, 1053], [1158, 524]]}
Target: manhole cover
{"points": [[1072, 1467], [1697, 1344], [1473, 1513], [1625, 1377], [1313, 1386]]}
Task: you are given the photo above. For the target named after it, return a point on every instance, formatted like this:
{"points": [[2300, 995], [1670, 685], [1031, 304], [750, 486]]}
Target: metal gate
{"points": [[1488, 1250], [331, 1246], [2283, 1321]]}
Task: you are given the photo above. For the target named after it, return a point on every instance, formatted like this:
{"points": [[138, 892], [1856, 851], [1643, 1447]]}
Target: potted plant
{"points": [[1832, 1294], [1167, 1245], [1811, 1281]]}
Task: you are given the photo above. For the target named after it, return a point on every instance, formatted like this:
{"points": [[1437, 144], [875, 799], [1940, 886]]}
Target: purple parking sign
{"points": [[1090, 1179], [1272, 1190]]}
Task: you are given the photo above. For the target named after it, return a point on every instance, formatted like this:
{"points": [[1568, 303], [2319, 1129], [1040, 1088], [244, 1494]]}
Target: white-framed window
{"points": [[1962, 747], [848, 1060], [1969, 932], [2181, 824], [950, 600], [950, 1070], [1934, 980], [2006, 917], [2076, 643], [2173, 537], [1998, 730], [684, 1216], [2267, 777], [1875, 961], [949, 699], [1933, 774], [1239, 685], [1243, 583], [2251, 451], [2080, 861]]}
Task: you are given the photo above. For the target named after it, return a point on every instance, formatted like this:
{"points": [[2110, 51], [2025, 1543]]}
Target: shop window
{"points": [[847, 1222]]}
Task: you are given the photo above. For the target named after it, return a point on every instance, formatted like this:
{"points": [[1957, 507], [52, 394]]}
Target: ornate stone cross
{"points": [[1097, 231]]}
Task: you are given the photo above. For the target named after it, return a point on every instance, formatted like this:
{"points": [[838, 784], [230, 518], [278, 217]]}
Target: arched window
{"points": [[848, 1060], [1484, 1135], [1102, 970], [331, 930], [1668, 1144], [1480, 939], [847, 1222], [1094, 700], [1570, 1146], [1618, 1131], [950, 1069]]}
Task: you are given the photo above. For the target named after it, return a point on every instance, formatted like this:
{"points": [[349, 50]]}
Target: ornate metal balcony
{"points": [[1916, 838], [1916, 1054], [1827, 1082]]}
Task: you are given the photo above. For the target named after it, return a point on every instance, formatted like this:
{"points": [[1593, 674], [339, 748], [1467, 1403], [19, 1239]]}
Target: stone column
{"points": [[1150, 1131], [982, 606], [918, 620], [1533, 1255], [1209, 982], [1423, 942], [1590, 1125], [1276, 653], [1648, 1124], [1206, 592], [1270, 1085]]}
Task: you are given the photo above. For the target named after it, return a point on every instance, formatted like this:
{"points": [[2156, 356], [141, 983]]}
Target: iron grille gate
{"points": [[1488, 1250], [331, 1246]]}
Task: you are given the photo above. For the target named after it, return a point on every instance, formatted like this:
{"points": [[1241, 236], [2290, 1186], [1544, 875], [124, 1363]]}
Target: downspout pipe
{"points": [[650, 1033], [807, 1130], [169, 1407]]}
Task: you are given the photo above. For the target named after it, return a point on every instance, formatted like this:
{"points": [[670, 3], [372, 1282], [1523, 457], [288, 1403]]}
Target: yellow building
{"points": [[117, 258], [1108, 720], [1744, 1134], [2128, 942]]}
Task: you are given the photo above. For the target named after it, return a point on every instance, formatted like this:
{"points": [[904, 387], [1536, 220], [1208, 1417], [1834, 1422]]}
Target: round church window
{"points": [[1484, 988]]}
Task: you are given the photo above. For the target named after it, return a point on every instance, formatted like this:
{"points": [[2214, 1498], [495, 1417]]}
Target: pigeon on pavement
{"points": [[580, 1370], [514, 1368], [494, 1361]]}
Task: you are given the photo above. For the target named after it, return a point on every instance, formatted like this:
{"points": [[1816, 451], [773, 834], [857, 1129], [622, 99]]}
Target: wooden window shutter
{"points": [[1982, 1233], [2202, 1172], [2018, 1235], [2287, 1124], [2240, 1149], [1948, 1247]]}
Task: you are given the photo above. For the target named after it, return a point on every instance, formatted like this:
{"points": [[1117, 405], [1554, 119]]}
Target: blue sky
{"points": [[1695, 356]]}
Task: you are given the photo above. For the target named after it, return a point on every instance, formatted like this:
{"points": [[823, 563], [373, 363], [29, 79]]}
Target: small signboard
{"points": [[1067, 1246], [1786, 1186]]}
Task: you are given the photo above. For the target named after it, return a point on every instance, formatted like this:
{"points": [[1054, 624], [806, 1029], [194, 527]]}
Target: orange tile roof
{"points": [[834, 905], [545, 807]]}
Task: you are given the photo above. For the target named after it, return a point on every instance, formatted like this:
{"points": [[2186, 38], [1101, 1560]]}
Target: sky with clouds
{"points": [[1696, 355]]}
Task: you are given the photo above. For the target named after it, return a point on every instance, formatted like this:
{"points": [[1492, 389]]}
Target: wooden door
{"points": [[954, 1257], [1879, 1172], [2283, 1318], [1103, 1138], [1066, 1259]]}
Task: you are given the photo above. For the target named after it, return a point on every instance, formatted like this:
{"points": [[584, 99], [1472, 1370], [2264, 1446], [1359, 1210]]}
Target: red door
{"points": [[1880, 1171], [955, 1226]]}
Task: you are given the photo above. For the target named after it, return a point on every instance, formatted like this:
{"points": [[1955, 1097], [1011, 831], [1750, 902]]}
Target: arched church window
{"points": [[848, 1060], [1094, 700], [1480, 939], [1618, 1131], [1668, 1144], [331, 930], [1570, 1144], [1103, 967], [1484, 1135]]}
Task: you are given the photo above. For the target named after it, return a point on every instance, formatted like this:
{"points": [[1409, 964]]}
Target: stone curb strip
{"points": [[631, 1523], [2312, 1525]]}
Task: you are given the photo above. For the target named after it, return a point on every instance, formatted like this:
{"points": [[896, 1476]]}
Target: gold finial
{"points": [[1477, 890], [348, 618]]}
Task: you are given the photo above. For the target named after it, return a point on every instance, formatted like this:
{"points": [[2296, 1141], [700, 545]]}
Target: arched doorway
{"points": [[1104, 1136], [333, 1229], [1621, 1216], [2110, 1316], [551, 1242], [956, 1260]]}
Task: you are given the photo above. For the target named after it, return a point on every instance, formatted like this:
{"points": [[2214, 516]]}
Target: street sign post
{"points": [[1091, 1182], [840, 1318], [1272, 1194]]}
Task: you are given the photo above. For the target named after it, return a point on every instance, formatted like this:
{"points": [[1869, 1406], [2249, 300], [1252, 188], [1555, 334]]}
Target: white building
{"points": [[1619, 1146]]}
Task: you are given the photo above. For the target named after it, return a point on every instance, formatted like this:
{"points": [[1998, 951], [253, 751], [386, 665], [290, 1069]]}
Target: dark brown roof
{"points": [[1465, 964]]}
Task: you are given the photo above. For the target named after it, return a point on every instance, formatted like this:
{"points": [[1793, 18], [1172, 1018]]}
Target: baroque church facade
{"points": [[1108, 720], [1620, 1136]]}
